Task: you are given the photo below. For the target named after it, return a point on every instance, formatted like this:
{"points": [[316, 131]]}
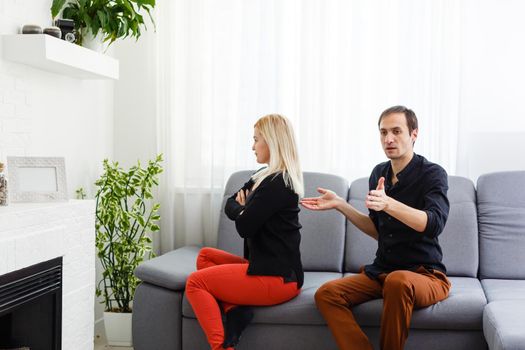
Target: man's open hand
{"points": [[328, 200]]}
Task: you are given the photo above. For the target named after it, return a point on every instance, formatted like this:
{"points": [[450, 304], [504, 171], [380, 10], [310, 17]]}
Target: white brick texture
{"points": [[35, 232]]}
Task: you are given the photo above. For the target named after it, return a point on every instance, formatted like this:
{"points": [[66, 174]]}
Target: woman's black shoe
{"points": [[236, 321]]}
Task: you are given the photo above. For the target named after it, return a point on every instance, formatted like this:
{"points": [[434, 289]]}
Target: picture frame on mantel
{"points": [[36, 179]]}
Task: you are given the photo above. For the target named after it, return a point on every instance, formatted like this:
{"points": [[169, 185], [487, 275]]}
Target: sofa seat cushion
{"points": [[171, 269], [463, 309], [300, 310], [503, 324], [496, 290]]}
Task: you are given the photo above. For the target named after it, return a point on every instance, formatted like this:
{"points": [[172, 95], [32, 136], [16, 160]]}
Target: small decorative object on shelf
{"points": [[31, 29], [37, 179], [67, 26], [53, 31], [3, 186], [80, 193]]}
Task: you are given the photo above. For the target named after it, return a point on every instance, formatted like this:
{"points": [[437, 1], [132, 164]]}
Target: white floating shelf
{"points": [[59, 56]]}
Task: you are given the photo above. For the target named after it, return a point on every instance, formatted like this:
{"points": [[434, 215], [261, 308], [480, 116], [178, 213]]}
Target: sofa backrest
{"points": [[459, 239], [322, 235], [501, 217]]}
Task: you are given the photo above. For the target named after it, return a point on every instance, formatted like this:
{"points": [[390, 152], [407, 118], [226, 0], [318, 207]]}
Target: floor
{"points": [[100, 344]]}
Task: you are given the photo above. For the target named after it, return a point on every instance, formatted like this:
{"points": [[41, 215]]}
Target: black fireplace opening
{"points": [[31, 307]]}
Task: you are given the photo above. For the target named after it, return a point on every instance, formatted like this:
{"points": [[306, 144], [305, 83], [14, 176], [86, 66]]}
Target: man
{"points": [[408, 209]]}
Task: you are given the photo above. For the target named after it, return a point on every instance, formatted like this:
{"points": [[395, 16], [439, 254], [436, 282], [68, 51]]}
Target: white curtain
{"points": [[331, 66]]}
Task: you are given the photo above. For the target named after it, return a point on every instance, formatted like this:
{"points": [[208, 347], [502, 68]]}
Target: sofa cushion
{"points": [[169, 270], [503, 325], [322, 235], [360, 248], [496, 290], [463, 309], [299, 311], [501, 210], [459, 239], [227, 237]]}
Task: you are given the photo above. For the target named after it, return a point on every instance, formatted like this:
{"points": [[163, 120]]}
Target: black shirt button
{"points": [[390, 235], [388, 250], [389, 218]]}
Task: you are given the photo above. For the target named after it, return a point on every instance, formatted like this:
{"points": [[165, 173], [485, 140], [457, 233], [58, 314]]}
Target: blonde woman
{"points": [[265, 211]]}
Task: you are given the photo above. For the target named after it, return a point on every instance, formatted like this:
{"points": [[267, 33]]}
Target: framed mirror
{"points": [[36, 179]]}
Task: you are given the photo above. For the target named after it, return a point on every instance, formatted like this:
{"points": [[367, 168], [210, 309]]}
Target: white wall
{"points": [[135, 99], [47, 114]]}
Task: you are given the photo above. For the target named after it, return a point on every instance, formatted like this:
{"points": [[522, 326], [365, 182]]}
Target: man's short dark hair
{"points": [[410, 116]]}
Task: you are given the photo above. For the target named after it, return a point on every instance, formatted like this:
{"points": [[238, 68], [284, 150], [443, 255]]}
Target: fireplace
{"points": [[31, 307]]}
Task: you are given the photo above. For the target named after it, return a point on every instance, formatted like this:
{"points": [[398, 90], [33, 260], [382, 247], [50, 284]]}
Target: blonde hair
{"points": [[278, 133]]}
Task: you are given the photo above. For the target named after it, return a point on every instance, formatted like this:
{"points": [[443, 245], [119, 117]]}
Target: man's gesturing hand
{"points": [[377, 199], [328, 200]]}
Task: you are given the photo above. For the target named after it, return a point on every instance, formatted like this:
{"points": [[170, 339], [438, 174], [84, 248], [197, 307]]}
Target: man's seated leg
{"points": [[402, 291], [334, 300]]}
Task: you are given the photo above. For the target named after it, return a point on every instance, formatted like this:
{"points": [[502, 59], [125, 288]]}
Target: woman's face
{"points": [[260, 147]]}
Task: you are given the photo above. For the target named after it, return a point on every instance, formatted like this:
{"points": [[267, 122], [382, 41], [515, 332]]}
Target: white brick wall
{"points": [[52, 115], [31, 233], [15, 127]]}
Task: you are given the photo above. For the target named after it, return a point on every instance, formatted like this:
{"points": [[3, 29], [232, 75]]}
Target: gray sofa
{"points": [[482, 242]]}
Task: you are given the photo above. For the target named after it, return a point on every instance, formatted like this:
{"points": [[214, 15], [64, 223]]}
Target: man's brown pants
{"points": [[401, 290]]}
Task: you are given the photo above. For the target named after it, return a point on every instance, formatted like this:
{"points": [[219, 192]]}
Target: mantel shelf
{"points": [[59, 56]]}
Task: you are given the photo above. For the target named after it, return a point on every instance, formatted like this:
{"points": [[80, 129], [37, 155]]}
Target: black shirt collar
{"points": [[405, 174]]}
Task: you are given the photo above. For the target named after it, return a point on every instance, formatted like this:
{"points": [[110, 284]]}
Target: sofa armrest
{"points": [[169, 270]]}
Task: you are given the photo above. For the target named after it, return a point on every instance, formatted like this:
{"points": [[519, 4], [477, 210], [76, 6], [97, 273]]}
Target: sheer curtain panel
{"points": [[330, 66]]}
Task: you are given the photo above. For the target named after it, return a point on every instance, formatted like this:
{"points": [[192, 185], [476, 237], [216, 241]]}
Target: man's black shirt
{"points": [[421, 185]]}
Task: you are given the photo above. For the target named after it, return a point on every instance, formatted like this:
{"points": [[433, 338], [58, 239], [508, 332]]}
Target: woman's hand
{"points": [[241, 197]]}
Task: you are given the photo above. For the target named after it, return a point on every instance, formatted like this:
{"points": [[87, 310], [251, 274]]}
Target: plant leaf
{"points": [[56, 6]]}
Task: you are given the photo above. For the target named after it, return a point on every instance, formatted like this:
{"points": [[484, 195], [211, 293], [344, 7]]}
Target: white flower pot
{"points": [[93, 42], [118, 328]]}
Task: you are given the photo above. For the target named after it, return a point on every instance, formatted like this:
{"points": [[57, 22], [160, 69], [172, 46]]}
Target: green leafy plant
{"points": [[80, 193], [123, 225], [114, 18]]}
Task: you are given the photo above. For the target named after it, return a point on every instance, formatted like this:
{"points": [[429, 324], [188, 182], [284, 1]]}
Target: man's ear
{"points": [[413, 136]]}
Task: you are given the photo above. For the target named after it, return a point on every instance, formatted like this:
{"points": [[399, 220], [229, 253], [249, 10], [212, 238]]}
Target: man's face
{"points": [[397, 142]]}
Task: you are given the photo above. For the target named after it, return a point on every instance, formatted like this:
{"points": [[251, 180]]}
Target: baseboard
{"points": [[100, 333]]}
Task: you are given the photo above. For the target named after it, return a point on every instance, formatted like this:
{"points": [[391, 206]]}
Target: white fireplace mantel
{"points": [[34, 232]]}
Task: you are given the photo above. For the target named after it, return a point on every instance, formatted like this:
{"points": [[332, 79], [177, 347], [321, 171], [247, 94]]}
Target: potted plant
{"points": [[125, 217], [114, 19]]}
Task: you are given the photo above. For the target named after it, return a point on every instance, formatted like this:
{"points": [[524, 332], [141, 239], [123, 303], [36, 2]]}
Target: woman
{"points": [[265, 211]]}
